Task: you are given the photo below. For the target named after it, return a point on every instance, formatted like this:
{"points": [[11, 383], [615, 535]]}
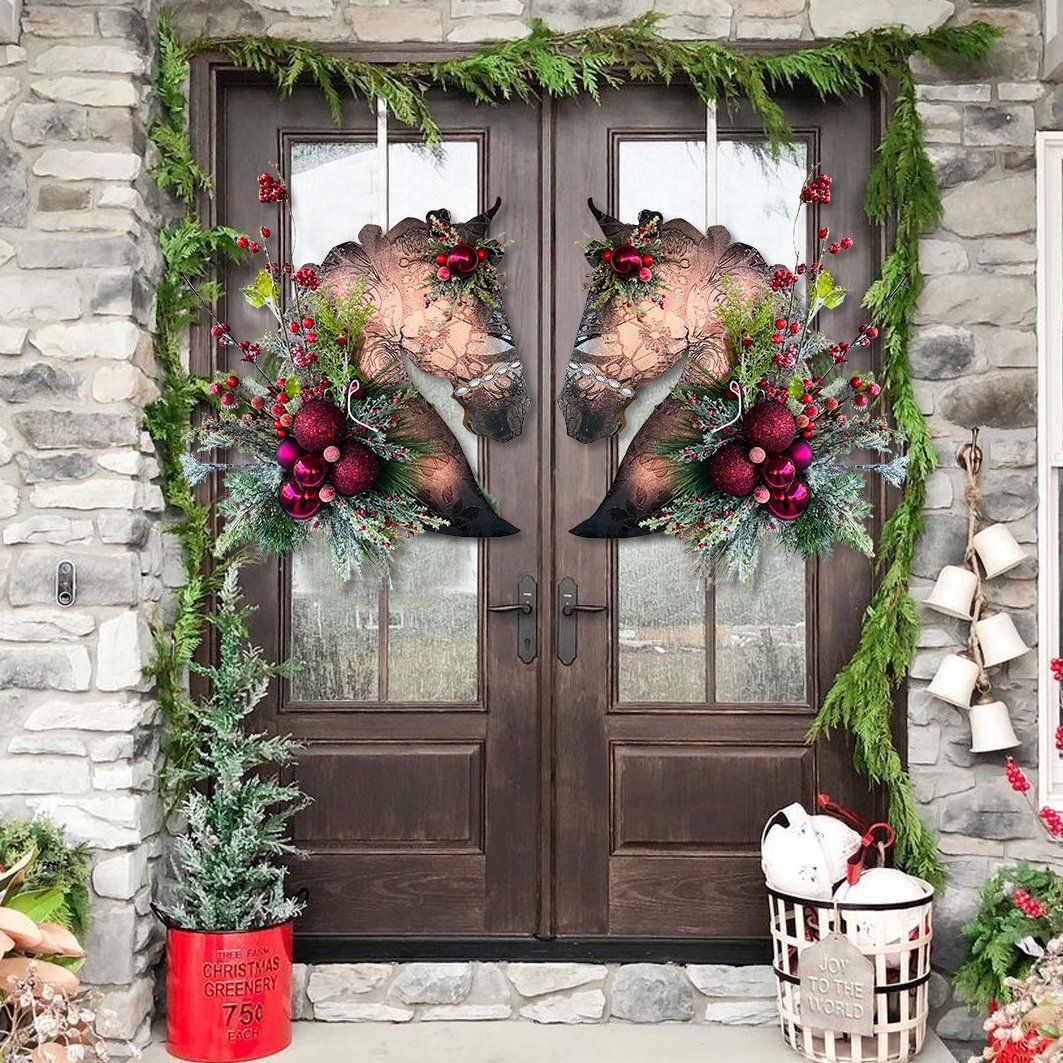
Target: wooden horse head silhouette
{"points": [[470, 345], [620, 347]]}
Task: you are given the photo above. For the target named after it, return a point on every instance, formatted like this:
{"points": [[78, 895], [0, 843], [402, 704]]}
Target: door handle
{"points": [[527, 621], [568, 610]]}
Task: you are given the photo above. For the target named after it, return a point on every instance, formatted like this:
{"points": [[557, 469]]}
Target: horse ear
{"points": [[646, 217], [476, 228], [442, 215], [615, 231]]}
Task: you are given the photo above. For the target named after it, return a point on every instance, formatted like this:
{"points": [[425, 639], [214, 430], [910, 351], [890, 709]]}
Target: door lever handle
{"points": [[575, 607], [527, 621]]}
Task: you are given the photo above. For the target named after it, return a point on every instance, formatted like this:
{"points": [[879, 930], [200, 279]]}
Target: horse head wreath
{"points": [[652, 302], [420, 314]]}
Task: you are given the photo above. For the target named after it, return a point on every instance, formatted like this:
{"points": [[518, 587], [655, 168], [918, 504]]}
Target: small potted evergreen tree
{"points": [[228, 920]]}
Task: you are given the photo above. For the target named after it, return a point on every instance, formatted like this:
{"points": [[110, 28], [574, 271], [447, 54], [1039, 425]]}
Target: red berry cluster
{"points": [[1056, 665], [863, 392], [1029, 906], [305, 277], [270, 190], [1016, 776], [1053, 821], [1059, 739], [817, 190]]}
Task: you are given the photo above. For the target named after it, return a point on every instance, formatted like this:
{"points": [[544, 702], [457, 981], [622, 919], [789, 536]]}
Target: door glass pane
{"points": [[757, 652], [416, 639], [760, 626], [661, 651]]}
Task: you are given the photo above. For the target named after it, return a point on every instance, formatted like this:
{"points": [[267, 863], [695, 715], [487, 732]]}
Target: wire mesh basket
{"points": [[895, 937]]}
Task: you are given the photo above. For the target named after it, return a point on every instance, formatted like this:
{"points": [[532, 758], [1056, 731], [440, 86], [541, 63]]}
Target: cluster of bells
{"points": [[627, 260], [768, 464], [322, 462], [461, 258], [957, 677]]}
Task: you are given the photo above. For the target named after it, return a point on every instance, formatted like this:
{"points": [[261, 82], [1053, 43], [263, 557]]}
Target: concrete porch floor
{"points": [[520, 1042]]}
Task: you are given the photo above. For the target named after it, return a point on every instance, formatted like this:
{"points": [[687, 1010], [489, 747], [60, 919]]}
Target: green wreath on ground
{"points": [[902, 193]]}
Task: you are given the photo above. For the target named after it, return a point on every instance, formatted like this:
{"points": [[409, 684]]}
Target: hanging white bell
{"points": [[991, 728], [999, 639], [955, 680], [872, 931], [953, 592], [997, 550]]}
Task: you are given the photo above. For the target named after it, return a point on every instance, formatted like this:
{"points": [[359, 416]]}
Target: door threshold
{"points": [[525, 1042], [313, 948]]}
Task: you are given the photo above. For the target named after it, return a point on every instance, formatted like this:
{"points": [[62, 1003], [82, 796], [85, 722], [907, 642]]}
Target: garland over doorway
{"points": [[902, 193]]}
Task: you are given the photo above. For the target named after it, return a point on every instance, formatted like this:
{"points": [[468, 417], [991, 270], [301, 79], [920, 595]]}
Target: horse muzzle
{"points": [[592, 403], [495, 404]]}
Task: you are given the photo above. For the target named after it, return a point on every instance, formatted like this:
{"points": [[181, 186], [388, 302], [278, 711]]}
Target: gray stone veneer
{"points": [[78, 479]]}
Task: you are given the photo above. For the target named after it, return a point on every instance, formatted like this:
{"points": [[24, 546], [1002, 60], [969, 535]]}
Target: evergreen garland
{"points": [[901, 190]]}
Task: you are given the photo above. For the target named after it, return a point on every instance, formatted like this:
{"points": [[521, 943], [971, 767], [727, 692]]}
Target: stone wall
{"points": [[77, 475]]}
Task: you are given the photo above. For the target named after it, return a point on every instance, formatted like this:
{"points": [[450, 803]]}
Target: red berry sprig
{"points": [[270, 190], [1029, 906], [1016, 776], [817, 190], [1052, 820]]}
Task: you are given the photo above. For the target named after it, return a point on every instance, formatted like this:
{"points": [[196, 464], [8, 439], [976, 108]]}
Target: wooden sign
{"points": [[837, 987]]}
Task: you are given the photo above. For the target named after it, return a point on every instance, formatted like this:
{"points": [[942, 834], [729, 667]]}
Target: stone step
{"points": [[525, 1042]]}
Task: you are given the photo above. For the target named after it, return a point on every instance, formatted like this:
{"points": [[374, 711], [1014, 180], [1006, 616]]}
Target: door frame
{"points": [[211, 72]]}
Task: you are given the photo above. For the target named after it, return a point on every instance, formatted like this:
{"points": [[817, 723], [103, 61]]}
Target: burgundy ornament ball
{"points": [[288, 454], [297, 503], [319, 424], [462, 258], [626, 260], [356, 471], [732, 472], [778, 471], [790, 502], [309, 471], [800, 453], [769, 425]]}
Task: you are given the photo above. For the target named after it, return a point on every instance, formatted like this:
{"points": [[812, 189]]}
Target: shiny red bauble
{"points": [[770, 425], [297, 503], [309, 471], [356, 471], [732, 472], [288, 454], [626, 260], [790, 502], [800, 453], [319, 424], [462, 258], [778, 471]]}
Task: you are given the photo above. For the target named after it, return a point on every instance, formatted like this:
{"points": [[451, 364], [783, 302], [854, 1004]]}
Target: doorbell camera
{"points": [[65, 583]]}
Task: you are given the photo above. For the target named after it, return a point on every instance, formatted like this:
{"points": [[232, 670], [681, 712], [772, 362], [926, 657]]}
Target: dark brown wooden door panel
{"points": [[620, 796]]}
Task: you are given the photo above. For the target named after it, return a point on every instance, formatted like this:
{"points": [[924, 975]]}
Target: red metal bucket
{"points": [[228, 996]]}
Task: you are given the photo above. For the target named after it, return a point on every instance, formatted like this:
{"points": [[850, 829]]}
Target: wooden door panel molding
{"points": [[699, 799], [410, 796]]}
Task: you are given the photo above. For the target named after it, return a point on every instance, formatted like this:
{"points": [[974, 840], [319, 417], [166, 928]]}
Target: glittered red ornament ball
{"points": [[732, 472], [790, 502], [356, 471], [297, 503], [769, 425], [625, 260], [319, 424]]}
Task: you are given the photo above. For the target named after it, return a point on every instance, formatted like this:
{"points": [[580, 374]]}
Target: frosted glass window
{"points": [[755, 650], [427, 646]]}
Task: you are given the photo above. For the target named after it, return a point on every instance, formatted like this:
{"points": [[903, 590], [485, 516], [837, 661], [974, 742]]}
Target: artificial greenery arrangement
{"points": [[323, 445], [463, 273], [56, 865], [1021, 910], [236, 810], [901, 192], [775, 430], [626, 272]]}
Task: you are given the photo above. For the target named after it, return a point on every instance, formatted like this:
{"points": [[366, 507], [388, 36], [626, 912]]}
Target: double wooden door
{"points": [[547, 775]]}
